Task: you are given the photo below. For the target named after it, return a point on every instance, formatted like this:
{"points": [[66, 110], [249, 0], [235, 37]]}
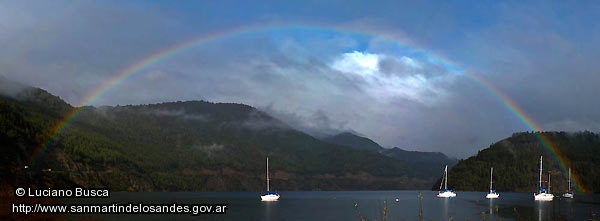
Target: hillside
{"points": [[516, 163], [354, 141], [178, 146], [425, 165]]}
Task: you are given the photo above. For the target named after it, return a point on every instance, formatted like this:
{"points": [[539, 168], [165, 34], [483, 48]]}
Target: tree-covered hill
{"points": [[425, 165], [203, 146], [177, 146], [516, 163], [354, 141]]}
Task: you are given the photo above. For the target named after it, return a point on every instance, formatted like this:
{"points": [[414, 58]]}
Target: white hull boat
{"points": [[446, 193], [270, 195], [543, 194], [569, 194], [492, 194], [543, 197]]}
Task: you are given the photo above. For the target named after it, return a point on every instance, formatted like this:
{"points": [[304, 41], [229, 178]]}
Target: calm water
{"points": [[351, 205]]}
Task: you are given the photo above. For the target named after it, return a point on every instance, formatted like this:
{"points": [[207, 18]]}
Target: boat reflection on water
{"points": [[270, 208], [340, 205]]}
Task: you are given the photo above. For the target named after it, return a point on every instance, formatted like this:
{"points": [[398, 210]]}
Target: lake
{"points": [[354, 205]]}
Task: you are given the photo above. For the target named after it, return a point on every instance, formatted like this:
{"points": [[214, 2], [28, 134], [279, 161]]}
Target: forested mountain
{"points": [[177, 146], [425, 165], [516, 163], [354, 141], [203, 146]]}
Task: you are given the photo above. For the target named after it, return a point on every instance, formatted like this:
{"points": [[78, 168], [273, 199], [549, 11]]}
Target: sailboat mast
{"points": [[548, 181], [446, 180], [443, 177], [267, 174], [540, 189], [491, 174], [569, 179]]}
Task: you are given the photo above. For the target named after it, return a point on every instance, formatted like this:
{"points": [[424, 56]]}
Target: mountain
{"points": [[176, 146], [204, 146], [354, 141], [425, 165], [516, 163]]}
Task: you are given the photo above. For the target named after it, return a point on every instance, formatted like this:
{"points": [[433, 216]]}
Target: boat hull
{"points": [[543, 197], [568, 195], [446, 194], [492, 195], [269, 197]]}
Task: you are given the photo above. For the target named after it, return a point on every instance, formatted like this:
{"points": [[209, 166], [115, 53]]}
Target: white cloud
{"points": [[386, 77], [356, 62], [410, 62]]}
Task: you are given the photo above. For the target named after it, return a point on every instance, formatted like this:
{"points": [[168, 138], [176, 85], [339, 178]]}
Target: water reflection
{"points": [[269, 208], [491, 206], [446, 202], [355, 205], [559, 208], [539, 207], [420, 196]]}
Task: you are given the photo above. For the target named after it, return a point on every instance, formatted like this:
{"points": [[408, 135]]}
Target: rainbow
{"points": [[516, 110], [173, 50]]}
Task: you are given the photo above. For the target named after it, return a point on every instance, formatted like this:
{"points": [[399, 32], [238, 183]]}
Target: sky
{"points": [[424, 75]]}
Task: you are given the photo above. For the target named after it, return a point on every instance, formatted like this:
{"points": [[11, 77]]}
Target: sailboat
{"points": [[492, 194], [269, 195], [543, 194], [446, 193], [569, 194]]}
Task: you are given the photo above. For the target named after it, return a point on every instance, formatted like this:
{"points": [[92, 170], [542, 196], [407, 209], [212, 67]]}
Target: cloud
{"points": [[397, 75], [387, 77], [363, 64], [209, 149], [402, 66], [11, 88], [317, 124], [259, 121], [178, 113]]}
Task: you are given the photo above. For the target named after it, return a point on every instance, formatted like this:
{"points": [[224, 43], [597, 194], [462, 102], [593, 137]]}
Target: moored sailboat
{"points": [[569, 194], [543, 194], [269, 195], [446, 193], [492, 194]]}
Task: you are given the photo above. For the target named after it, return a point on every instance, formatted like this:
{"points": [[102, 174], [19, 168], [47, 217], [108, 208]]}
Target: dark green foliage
{"points": [[425, 165], [203, 146], [516, 163], [176, 146], [355, 141]]}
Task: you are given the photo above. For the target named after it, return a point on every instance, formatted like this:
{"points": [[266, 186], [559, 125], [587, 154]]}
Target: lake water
{"points": [[352, 205]]}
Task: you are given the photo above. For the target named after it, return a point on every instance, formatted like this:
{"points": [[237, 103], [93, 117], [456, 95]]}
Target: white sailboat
{"points": [[446, 193], [569, 194], [269, 195], [543, 194], [492, 194]]}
